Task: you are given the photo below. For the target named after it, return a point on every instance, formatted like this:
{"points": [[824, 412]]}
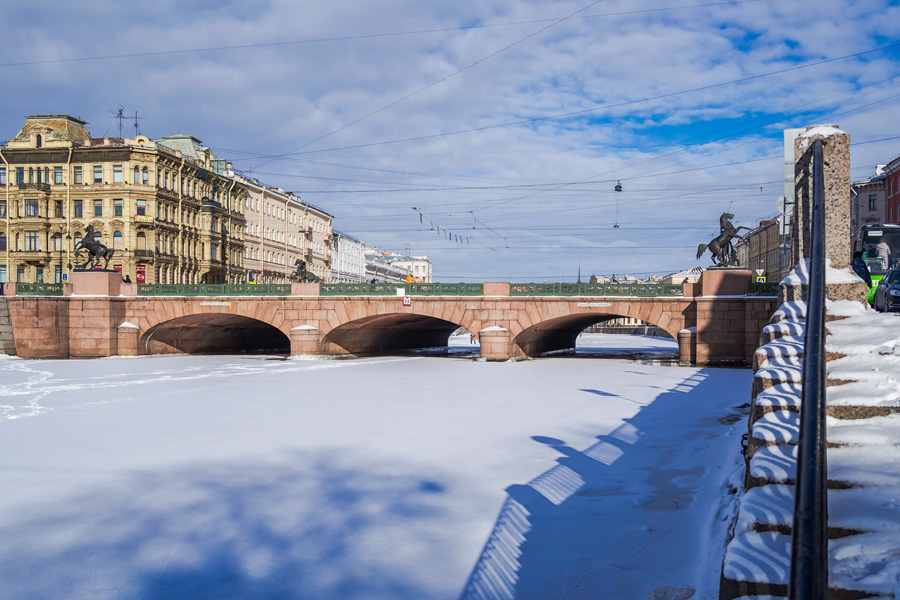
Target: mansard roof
{"points": [[55, 128]]}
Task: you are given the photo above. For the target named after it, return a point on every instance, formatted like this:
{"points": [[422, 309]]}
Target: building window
{"points": [[118, 241], [31, 174], [141, 208], [79, 209], [873, 202], [214, 224], [145, 176], [98, 173], [57, 175], [40, 141], [57, 243], [3, 267], [2, 241], [20, 174], [31, 241], [141, 241], [117, 207], [59, 209], [31, 208], [2, 175], [98, 208], [137, 175], [117, 173], [2, 208], [46, 174], [77, 176]]}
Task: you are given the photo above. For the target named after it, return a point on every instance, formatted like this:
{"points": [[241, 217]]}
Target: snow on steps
{"points": [[863, 401]]}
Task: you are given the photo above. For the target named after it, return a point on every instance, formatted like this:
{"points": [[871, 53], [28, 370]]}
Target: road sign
{"points": [[407, 301], [760, 280]]}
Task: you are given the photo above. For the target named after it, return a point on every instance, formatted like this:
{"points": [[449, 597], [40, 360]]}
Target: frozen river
{"points": [[379, 478]]}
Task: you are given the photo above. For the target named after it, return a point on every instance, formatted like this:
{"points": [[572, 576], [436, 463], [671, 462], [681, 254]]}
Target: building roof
{"points": [[55, 128], [188, 145]]}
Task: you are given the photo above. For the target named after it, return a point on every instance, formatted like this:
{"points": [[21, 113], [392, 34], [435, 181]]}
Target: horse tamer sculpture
{"points": [[95, 250], [301, 274], [722, 250]]}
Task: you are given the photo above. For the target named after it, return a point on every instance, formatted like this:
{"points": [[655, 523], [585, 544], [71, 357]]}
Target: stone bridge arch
{"points": [[373, 327], [555, 325], [168, 325]]}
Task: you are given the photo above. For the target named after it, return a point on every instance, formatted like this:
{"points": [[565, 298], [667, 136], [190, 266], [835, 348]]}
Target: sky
{"points": [[194, 477], [488, 135]]}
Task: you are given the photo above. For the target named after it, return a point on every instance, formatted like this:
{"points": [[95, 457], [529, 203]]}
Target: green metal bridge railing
{"points": [[639, 290], [762, 289], [39, 289], [214, 289], [409, 289]]}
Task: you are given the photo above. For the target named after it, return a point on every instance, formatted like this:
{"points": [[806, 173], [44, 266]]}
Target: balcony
{"points": [[35, 187], [42, 256], [145, 254]]}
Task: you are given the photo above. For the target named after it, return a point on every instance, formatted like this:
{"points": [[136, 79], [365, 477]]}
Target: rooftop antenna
{"points": [[117, 116], [137, 130]]}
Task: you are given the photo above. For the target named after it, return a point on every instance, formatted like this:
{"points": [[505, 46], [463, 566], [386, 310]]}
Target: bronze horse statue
{"points": [[95, 250], [301, 274], [720, 246]]}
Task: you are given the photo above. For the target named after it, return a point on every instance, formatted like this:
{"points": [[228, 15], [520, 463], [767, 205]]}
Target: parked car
{"points": [[887, 294]]}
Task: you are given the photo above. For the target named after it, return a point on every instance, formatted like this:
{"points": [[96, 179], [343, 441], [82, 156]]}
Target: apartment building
{"points": [[164, 207], [281, 229], [348, 259]]}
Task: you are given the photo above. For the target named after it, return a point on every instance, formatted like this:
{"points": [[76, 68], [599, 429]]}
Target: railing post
{"points": [[809, 541]]}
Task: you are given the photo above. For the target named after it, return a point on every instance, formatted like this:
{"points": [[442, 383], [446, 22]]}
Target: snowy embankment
{"points": [[196, 477], [863, 426]]}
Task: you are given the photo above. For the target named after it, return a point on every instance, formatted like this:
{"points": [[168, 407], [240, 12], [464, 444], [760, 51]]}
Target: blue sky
{"points": [[505, 123]]}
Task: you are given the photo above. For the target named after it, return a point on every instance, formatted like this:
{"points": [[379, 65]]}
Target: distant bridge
{"points": [[714, 321]]}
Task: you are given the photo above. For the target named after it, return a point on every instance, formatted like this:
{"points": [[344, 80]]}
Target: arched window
{"points": [[145, 176], [118, 241], [40, 141], [2, 241], [137, 175]]}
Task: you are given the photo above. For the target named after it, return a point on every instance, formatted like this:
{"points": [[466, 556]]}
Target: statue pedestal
{"points": [[95, 283], [725, 281]]}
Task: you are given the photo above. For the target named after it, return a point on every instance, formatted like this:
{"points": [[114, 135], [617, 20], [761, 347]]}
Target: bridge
{"points": [[714, 321]]}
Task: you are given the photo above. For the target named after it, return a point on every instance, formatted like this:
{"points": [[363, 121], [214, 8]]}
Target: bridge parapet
{"points": [[401, 289], [637, 290]]}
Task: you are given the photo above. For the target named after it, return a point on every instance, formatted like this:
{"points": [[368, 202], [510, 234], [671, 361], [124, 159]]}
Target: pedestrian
{"points": [[883, 253], [860, 268]]}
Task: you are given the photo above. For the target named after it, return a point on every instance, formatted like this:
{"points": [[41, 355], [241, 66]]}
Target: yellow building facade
{"points": [[168, 209]]}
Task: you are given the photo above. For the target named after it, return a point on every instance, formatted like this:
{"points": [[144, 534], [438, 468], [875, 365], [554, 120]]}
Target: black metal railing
{"points": [[809, 543]]}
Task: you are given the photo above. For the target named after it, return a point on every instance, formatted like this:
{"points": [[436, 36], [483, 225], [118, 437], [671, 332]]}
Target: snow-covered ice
{"points": [[382, 478]]}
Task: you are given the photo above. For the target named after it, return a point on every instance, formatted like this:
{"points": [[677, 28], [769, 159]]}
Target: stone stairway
{"points": [[863, 432]]}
